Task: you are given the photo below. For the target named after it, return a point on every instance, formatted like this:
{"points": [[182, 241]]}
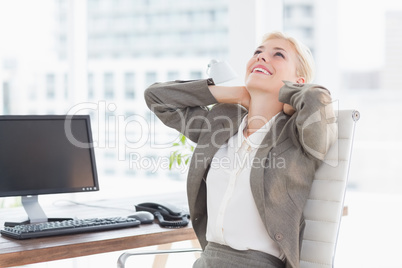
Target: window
{"points": [[308, 32], [108, 80], [6, 98], [91, 88], [150, 78], [66, 86], [129, 85], [173, 75], [307, 10], [50, 86], [195, 75], [288, 11]]}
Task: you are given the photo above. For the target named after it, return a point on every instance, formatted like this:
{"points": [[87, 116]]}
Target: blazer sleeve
{"points": [[182, 105], [314, 120]]}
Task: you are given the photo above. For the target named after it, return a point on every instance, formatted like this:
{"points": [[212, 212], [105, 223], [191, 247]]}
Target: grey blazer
{"points": [[298, 142]]}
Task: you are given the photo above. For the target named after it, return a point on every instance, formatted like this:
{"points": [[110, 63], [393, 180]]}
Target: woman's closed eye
{"points": [[280, 54], [257, 52]]}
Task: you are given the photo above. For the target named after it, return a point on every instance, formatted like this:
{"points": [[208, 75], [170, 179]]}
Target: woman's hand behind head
{"points": [[288, 109]]}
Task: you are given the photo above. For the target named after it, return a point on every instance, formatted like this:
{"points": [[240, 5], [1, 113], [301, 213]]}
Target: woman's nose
{"points": [[261, 57]]}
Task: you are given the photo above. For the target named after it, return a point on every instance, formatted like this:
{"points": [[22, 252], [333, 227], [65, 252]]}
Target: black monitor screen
{"points": [[46, 154]]}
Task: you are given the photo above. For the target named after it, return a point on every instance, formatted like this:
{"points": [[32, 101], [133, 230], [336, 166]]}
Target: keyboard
{"points": [[57, 228]]}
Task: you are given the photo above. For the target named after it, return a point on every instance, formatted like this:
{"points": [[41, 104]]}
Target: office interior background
{"points": [[98, 57]]}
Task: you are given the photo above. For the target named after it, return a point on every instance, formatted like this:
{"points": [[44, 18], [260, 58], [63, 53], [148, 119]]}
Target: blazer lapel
{"points": [[207, 147], [272, 139]]}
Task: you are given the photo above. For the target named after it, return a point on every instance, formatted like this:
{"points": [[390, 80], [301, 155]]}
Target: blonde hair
{"points": [[305, 65]]}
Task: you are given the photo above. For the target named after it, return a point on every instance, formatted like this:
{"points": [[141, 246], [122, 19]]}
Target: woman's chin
{"points": [[254, 85]]}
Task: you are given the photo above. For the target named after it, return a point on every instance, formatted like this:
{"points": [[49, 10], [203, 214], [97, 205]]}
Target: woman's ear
{"points": [[301, 80]]}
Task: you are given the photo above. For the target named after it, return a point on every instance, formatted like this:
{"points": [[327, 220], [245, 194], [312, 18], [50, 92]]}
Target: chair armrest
{"points": [[123, 257]]}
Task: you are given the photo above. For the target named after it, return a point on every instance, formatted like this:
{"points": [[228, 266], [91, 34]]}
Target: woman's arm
{"points": [[181, 105], [315, 120], [232, 94]]}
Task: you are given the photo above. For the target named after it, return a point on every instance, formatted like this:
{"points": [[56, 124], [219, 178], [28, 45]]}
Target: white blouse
{"points": [[233, 218]]}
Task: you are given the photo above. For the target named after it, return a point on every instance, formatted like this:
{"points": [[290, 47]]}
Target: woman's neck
{"points": [[262, 108]]}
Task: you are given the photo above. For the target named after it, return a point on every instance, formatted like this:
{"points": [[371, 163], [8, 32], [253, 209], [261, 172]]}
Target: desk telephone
{"points": [[167, 215]]}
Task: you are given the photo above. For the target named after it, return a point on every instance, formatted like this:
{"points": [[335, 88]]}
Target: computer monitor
{"points": [[45, 154]]}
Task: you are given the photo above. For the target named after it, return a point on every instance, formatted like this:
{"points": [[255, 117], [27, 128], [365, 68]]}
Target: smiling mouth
{"points": [[261, 70]]}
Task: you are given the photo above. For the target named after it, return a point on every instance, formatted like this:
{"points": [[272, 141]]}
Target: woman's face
{"points": [[272, 62]]}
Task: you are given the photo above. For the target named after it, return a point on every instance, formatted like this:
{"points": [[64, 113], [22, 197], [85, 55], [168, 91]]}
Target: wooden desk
{"points": [[20, 252]]}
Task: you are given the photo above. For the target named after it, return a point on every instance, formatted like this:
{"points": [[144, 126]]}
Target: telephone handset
{"points": [[167, 215]]}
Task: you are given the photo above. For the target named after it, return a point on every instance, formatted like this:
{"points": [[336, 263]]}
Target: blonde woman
{"points": [[258, 148]]}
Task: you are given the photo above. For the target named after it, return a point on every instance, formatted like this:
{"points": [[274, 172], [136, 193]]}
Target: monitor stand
{"points": [[34, 211]]}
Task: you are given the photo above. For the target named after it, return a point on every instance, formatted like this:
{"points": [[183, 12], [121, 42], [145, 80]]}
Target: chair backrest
{"points": [[324, 207]]}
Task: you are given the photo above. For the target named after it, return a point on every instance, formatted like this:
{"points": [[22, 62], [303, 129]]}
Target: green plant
{"points": [[183, 153], [10, 202]]}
